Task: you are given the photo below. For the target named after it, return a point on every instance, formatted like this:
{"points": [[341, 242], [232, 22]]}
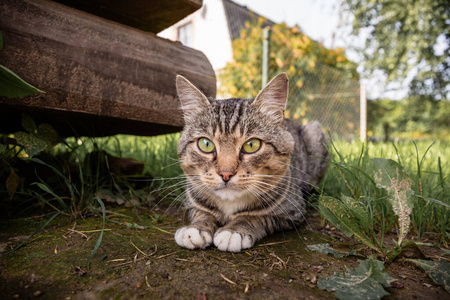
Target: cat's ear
{"points": [[272, 98], [192, 100]]}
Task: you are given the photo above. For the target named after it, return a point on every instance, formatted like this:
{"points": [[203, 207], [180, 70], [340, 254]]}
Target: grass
{"points": [[351, 174], [78, 169], [158, 153]]}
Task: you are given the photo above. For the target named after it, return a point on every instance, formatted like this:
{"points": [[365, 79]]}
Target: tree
{"points": [[317, 75], [406, 37]]}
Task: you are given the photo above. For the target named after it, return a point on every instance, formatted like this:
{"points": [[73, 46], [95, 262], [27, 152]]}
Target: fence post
{"points": [[265, 56], [363, 112]]}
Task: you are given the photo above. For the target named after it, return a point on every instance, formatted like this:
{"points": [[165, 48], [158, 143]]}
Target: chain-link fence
{"points": [[324, 84], [329, 96]]}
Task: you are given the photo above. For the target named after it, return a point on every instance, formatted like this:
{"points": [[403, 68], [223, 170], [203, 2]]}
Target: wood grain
{"points": [[96, 73]]}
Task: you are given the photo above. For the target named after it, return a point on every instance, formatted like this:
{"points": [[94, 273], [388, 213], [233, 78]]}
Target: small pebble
{"points": [[317, 269], [37, 293], [427, 285], [397, 285], [314, 279]]}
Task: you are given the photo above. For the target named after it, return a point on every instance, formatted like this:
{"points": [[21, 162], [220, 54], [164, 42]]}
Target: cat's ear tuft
{"points": [[192, 100], [272, 98]]}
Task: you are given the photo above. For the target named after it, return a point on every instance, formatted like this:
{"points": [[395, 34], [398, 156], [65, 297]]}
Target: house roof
{"points": [[237, 15]]}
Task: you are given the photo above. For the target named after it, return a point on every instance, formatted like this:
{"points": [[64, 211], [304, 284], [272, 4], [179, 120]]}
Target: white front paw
{"points": [[192, 238], [232, 241]]}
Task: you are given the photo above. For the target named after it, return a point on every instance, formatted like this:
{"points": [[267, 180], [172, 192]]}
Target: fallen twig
{"points": [[274, 243], [162, 256], [227, 280]]}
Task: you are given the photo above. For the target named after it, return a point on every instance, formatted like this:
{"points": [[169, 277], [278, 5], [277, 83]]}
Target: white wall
{"points": [[211, 33]]}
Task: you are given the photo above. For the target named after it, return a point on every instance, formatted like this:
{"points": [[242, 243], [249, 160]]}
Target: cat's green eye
{"points": [[206, 145], [251, 146]]}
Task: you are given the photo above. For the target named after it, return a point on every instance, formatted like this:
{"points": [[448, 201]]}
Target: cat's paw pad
{"points": [[192, 238], [232, 241]]}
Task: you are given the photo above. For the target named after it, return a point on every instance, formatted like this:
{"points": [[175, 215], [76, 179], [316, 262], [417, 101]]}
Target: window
{"points": [[186, 34]]}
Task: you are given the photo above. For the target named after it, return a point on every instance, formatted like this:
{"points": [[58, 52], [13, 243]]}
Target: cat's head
{"points": [[234, 148]]}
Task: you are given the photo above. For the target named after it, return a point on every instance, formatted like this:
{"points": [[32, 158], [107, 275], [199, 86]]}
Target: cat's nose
{"points": [[226, 175]]}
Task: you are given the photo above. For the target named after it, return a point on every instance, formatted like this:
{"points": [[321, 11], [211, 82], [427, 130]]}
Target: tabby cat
{"points": [[247, 167]]}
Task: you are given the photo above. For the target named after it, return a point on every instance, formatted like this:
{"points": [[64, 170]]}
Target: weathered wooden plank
{"points": [[96, 73], [148, 15]]}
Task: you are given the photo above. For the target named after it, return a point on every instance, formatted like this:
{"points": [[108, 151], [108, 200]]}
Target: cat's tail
{"points": [[316, 144]]}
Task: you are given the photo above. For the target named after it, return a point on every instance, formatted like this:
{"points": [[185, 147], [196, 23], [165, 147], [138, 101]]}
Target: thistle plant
{"points": [[390, 176]]}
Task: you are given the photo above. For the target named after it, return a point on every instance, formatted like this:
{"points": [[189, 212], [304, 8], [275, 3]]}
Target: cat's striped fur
{"points": [[235, 198]]}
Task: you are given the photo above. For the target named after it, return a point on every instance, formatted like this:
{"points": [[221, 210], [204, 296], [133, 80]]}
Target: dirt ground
{"points": [[135, 262]]}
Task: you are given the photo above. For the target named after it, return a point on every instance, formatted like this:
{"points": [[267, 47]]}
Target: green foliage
{"points": [[36, 139], [318, 76], [11, 85], [354, 203], [159, 153], [12, 183], [409, 118], [390, 176], [365, 282], [404, 36], [439, 271], [346, 220]]}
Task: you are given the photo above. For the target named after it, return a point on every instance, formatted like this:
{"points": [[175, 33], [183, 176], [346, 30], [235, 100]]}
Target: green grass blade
{"points": [[99, 240], [57, 172], [36, 232], [434, 201], [47, 189], [398, 155], [441, 177]]}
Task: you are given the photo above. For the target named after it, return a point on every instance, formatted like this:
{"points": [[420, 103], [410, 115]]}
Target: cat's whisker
{"points": [[194, 184], [293, 178], [285, 212], [164, 188], [289, 196], [220, 140]]}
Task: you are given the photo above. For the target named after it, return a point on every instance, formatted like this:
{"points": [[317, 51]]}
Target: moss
{"points": [[55, 263]]}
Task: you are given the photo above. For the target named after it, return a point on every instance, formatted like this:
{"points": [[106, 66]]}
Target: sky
{"points": [[318, 19], [321, 20]]}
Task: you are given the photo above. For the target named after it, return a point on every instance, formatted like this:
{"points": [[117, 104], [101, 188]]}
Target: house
{"points": [[212, 29]]}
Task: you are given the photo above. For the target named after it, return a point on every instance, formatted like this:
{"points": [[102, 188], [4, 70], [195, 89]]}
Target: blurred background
{"points": [[358, 66]]}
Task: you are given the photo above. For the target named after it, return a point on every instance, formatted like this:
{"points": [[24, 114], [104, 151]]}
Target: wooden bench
{"points": [[100, 77]]}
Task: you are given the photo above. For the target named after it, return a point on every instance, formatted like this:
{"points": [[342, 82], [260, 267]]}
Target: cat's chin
{"points": [[229, 194]]}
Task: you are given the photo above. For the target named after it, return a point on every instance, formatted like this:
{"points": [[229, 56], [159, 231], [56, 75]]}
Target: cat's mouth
{"points": [[228, 192]]}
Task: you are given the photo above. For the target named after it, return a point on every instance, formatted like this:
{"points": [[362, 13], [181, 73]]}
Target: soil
{"points": [[142, 262]]}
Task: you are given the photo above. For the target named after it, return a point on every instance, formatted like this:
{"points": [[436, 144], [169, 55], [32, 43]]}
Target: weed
{"points": [[367, 197]]}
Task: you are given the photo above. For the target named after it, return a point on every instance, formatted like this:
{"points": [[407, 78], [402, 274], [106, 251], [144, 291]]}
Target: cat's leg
{"points": [[242, 232], [199, 234]]}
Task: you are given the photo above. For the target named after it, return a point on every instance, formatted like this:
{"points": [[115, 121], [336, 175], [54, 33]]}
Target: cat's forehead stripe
{"points": [[230, 113]]}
